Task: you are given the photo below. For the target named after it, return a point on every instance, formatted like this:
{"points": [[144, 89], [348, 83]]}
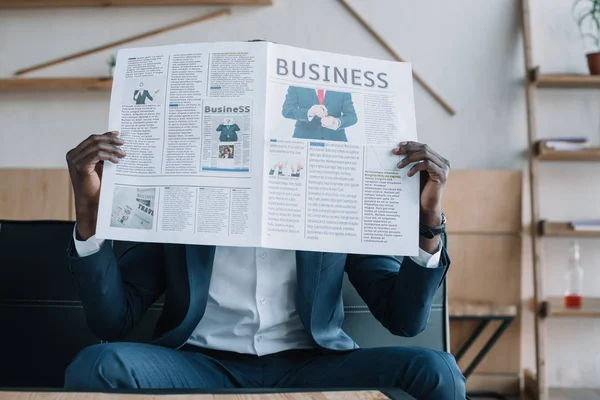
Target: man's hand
{"points": [[319, 110], [85, 168], [434, 174], [330, 123]]}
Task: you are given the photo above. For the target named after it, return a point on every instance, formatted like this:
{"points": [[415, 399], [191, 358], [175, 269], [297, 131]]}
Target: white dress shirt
{"points": [[251, 305]]}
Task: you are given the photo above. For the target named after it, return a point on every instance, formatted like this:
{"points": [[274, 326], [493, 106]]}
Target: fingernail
{"points": [[115, 132], [403, 143]]}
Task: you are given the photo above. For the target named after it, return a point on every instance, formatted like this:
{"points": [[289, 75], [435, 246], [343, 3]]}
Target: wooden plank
{"points": [[484, 201], [568, 81], [218, 13], [556, 308], [34, 194], [355, 395], [574, 394], [397, 57], [506, 384], [486, 269], [480, 309], [530, 385], [563, 229], [530, 97], [544, 153], [124, 3], [56, 84]]}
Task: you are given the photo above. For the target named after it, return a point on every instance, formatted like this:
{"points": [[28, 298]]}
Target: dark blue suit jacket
{"points": [[141, 99], [116, 294], [339, 105]]}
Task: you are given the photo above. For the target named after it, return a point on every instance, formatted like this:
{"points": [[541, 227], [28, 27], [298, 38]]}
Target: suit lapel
{"points": [[194, 263], [308, 270], [200, 261]]}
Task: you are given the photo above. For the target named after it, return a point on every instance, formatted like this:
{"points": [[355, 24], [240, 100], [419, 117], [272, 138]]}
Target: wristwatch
{"points": [[430, 232]]}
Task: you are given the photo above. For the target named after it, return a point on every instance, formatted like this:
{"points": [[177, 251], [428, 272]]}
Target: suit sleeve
{"points": [[149, 96], [292, 108], [222, 136], [116, 293], [135, 95], [348, 117], [399, 294]]}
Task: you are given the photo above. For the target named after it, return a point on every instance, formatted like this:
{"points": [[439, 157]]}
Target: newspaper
{"points": [[261, 144]]}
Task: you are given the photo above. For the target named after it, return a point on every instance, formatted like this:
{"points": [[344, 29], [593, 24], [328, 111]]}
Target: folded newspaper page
{"points": [[264, 145]]}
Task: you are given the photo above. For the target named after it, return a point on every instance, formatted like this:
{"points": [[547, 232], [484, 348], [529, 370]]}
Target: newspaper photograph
{"points": [[264, 145]]}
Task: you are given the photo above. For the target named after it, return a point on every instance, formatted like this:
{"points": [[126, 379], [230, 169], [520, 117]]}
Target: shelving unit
{"points": [[555, 307], [546, 154], [563, 229], [124, 3], [536, 385], [567, 81], [56, 85]]}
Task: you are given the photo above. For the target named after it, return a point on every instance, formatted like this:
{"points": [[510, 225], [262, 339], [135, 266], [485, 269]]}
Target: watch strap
{"points": [[430, 232]]}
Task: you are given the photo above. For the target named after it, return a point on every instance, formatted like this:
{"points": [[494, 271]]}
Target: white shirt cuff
{"points": [[426, 260], [87, 247], [339, 123]]}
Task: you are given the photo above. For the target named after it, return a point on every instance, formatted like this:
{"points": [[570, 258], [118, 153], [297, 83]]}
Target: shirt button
{"points": [[263, 255], [263, 300]]}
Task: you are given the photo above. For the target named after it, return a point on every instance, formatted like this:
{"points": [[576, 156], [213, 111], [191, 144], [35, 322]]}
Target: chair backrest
{"points": [[43, 324]]}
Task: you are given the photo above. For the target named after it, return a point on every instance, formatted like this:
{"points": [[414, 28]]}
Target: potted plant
{"points": [[112, 61], [587, 15]]}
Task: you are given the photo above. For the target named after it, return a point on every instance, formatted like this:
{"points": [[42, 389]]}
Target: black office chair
{"points": [[44, 327]]}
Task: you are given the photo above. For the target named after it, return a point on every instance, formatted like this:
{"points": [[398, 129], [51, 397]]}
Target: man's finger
{"points": [[412, 147], [94, 158], [421, 156], [433, 169], [96, 147], [109, 137]]}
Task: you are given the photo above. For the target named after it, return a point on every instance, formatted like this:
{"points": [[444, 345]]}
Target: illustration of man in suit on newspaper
{"points": [[141, 95], [319, 113]]}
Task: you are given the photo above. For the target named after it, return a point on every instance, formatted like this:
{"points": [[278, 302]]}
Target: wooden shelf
{"points": [[123, 3], [586, 155], [530, 390], [574, 394], [563, 229], [56, 84], [555, 307], [567, 81], [475, 309]]}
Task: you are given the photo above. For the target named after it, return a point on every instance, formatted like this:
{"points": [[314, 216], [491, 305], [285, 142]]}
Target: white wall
{"points": [[468, 50]]}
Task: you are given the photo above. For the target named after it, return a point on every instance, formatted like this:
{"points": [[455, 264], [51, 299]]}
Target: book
{"points": [[566, 144], [591, 225]]}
